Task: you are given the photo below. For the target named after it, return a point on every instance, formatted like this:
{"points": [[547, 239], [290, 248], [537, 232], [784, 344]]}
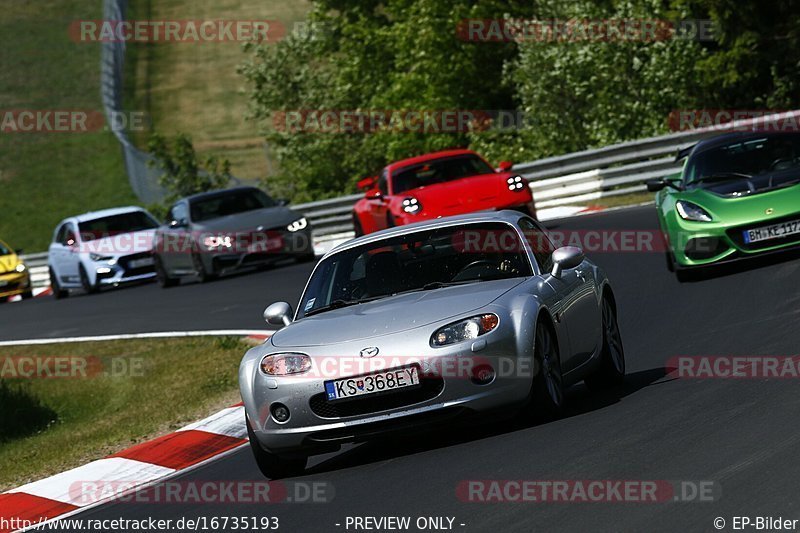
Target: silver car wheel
{"points": [[613, 337]]}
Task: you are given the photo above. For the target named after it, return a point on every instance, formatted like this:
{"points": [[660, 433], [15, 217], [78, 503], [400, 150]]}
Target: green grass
{"points": [[194, 88], [84, 419], [45, 177]]}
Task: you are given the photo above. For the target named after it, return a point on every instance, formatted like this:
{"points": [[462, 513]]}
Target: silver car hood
{"points": [[270, 217], [394, 314]]}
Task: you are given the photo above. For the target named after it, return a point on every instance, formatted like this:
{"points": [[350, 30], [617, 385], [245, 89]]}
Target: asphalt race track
{"points": [[739, 434]]}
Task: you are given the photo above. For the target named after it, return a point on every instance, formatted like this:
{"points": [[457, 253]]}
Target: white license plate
{"points": [[387, 380], [139, 263], [776, 231]]}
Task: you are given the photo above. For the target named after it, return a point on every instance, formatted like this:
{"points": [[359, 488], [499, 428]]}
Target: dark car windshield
{"points": [[116, 225], [4, 250], [438, 171], [751, 156], [423, 260], [229, 203]]}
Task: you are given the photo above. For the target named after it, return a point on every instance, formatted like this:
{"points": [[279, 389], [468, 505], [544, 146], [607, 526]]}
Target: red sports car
{"points": [[438, 185]]}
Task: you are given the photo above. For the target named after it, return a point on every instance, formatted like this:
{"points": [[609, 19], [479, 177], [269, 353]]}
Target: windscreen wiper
{"points": [[723, 176], [440, 285], [339, 304]]}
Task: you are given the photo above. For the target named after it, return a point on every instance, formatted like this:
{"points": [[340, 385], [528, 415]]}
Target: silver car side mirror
{"points": [[565, 258], [278, 314]]}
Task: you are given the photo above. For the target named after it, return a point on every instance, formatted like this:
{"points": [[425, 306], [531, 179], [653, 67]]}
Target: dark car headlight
{"points": [[285, 364], [693, 212], [470, 328], [411, 205], [97, 258]]}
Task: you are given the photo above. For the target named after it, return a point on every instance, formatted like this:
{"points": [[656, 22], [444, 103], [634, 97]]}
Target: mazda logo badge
{"points": [[369, 352]]}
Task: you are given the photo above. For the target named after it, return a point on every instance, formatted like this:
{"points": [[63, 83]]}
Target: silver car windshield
{"points": [[424, 260]]}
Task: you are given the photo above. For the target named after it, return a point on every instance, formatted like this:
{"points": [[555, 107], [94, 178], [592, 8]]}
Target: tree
{"points": [[182, 173]]}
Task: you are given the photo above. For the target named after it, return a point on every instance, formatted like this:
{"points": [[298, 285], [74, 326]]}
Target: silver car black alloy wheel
{"points": [[551, 368], [613, 337]]}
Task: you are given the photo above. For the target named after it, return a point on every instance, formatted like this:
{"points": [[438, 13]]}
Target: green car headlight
{"points": [[693, 212], [470, 328]]}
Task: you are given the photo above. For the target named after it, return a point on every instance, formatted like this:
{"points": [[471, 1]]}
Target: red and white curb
{"points": [[135, 468]]}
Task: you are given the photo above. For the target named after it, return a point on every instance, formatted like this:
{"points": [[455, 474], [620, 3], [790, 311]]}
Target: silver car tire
{"points": [[548, 383], [274, 466], [611, 372]]}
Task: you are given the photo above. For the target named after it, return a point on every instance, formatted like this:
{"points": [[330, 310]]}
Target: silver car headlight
{"points": [[470, 328], [285, 364], [97, 258], [297, 225], [693, 212]]}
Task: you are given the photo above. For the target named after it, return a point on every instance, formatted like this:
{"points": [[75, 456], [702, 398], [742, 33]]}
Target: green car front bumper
{"points": [[726, 237]]}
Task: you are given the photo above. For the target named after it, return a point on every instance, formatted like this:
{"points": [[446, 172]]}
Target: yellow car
{"points": [[14, 276]]}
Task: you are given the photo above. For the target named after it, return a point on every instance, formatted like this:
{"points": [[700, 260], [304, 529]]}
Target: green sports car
{"points": [[737, 196]]}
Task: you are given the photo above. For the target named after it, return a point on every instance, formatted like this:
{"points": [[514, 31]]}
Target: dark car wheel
{"points": [[58, 292], [611, 372], [548, 385], [271, 465], [27, 295], [162, 276], [200, 269], [88, 288]]}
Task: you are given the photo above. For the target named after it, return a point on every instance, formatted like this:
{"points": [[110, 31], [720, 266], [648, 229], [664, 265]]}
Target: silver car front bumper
{"points": [[447, 391]]}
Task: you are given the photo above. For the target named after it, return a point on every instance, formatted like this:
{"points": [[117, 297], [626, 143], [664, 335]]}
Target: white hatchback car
{"points": [[102, 248]]}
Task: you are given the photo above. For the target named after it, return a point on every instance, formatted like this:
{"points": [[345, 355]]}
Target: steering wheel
{"points": [[475, 264]]}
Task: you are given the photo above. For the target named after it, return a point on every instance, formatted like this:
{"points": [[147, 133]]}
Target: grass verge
{"points": [[130, 391], [194, 88], [48, 176]]}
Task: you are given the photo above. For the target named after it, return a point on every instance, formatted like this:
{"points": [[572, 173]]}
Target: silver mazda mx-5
{"points": [[423, 324]]}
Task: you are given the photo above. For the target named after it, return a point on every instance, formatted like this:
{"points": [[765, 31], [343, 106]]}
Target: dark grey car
{"points": [[212, 233]]}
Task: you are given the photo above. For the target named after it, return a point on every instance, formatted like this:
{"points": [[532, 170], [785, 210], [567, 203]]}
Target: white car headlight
{"points": [[285, 364], [20, 267], [297, 225], [99, 258], [693, 212], [213, 242], [471, 328], [411, 205]]}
